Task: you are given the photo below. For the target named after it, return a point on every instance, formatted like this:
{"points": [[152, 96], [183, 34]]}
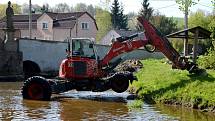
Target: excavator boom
{"points": [[154, 38]]}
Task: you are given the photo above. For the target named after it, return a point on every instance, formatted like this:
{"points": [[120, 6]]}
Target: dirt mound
{"points": [[130, 65]]}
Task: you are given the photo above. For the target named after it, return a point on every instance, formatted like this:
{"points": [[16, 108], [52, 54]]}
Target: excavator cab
{"points": [[81, 61], [84, 48]]}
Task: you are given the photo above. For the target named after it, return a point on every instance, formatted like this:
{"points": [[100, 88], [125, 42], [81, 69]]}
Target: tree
{"points": [[211, 27], [123, 23], [81, 7], [213, 3], [115, 12], [132, 20], [103, 20], [3, 7], [61, 7], [184, 6], [45, 8], [35, 8], [105, 4], [146, 11], [207, 21], [25, 8], [91, 10], [16, 8], [164, 24], [118, 19], [72, 9], [199, 18]]}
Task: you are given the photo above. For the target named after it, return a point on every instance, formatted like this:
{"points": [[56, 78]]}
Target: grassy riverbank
{"points": [[159, 83]]}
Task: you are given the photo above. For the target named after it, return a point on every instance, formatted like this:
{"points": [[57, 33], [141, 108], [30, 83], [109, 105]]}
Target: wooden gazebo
{"points": [[198, 33]]}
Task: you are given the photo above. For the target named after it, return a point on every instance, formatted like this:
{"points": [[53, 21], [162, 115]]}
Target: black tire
{"points": [[119, 83], [100, 85], [36, 88]]}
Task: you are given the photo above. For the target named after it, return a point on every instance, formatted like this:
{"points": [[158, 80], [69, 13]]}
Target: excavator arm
{"points": [[123, 45], [154, 38]]}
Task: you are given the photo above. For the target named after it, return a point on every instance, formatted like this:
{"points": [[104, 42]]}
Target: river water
{"points": [[74, 106]]}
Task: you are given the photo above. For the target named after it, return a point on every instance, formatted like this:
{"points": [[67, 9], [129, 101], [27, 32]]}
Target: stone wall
{"points": [[10, 58], [11, 63]]}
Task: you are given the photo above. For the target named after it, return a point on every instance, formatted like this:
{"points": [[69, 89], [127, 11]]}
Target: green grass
{"points": [[157, 81], [136, 104]]}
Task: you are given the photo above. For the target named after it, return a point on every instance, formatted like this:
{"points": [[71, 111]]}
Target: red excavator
{"points": [[84, 71]]}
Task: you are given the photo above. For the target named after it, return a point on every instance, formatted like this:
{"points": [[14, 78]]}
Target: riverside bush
{"points": [[207, 61]]}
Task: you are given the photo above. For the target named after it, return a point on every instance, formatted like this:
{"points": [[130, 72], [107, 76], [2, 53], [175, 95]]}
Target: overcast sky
{"points": [[167, 7]]}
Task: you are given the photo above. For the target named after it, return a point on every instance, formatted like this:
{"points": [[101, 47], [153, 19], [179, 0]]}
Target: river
{"points": [[73, 106]]}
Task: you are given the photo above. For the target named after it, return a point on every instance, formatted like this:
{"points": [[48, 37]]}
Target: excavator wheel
{"points": [[119, 83], [36, 88]]}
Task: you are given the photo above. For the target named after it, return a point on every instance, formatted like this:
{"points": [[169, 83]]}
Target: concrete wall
{"points": [[62, 34], [34, 32], [49, 54], [106, 40]]}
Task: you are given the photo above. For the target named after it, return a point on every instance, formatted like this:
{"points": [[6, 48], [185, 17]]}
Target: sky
{"points": [[166, 7]]}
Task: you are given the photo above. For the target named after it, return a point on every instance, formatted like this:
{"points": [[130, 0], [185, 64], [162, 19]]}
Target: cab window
{"points": [[83, 48]]}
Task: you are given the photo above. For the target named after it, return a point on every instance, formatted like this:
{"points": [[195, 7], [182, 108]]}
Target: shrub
{"points": [[207, 61]]}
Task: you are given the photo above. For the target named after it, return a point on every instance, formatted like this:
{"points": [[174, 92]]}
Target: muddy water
{"points": [[72, 106]]}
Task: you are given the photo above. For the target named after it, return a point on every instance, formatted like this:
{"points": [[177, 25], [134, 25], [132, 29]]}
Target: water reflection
{"points": [[185, 114], [73, 109], [9, 98], [87, 106], [41, 109]]}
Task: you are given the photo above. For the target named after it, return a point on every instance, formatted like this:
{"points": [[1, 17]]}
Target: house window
{"points": [[45, 25], [84, 25]]}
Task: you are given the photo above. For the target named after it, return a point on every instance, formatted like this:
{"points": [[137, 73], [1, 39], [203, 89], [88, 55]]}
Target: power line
{"points": [[167, 6], [205, 5]]}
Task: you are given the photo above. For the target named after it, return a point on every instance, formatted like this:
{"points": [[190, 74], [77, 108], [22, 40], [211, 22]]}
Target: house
{"points": [[54, 26], [108, 38]]}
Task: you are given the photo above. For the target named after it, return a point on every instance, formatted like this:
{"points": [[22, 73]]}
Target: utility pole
{"points": [[76, 27], [30, 19], [186, 27]]}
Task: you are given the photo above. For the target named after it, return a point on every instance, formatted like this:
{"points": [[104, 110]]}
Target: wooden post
{"points": [[195, 46]]}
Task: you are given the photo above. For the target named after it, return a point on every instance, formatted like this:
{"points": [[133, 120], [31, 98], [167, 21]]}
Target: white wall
{"points": [[106, 40], [47, 54]]}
